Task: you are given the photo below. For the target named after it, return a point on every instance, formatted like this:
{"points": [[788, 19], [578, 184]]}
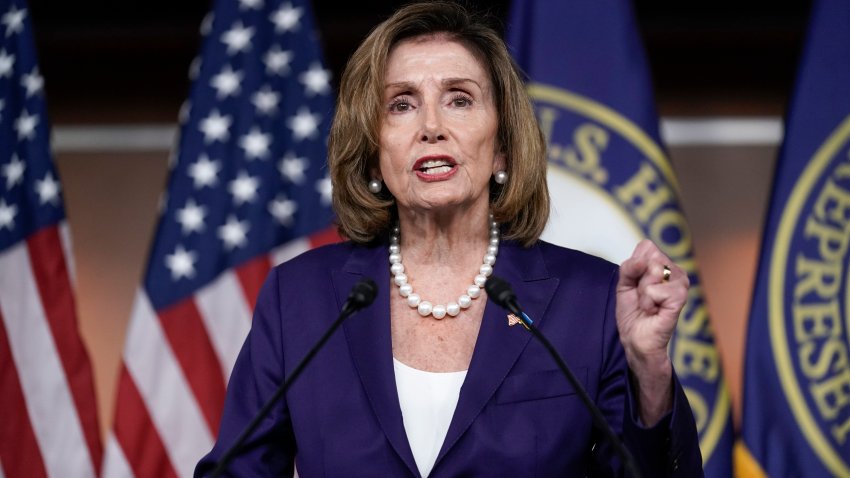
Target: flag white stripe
{"points": [[47, 395], [226, 316], [115, 464], [163, 387], [289, 250], [68, 251]]}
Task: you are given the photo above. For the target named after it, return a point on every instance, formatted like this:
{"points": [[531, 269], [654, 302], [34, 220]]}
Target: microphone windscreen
{"points": [[499, 291], [363, 293]]}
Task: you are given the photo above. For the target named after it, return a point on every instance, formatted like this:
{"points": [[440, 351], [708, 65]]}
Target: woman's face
{"points": [[438, 138]]}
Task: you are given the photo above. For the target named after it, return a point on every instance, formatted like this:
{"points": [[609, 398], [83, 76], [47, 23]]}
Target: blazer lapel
{"points": [[499, 346], [370, 342]]}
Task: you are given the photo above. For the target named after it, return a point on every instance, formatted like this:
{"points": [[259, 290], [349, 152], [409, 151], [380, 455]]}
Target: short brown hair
{"points": [[521, 205]]}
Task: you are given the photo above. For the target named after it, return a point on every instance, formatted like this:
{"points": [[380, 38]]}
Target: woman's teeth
{"points": [[435, 167], [437, 170]]}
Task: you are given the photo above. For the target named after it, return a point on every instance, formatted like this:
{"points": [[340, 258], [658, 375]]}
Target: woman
{"points": [[438, 164]]}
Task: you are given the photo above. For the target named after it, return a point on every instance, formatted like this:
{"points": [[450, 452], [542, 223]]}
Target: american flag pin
{"points": [[513, 320]]}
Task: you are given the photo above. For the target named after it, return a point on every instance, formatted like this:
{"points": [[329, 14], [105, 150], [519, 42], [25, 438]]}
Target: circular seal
{"points": [[807, 301], [612, 185]]}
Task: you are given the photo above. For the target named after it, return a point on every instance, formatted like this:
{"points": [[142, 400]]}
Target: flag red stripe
{"points": [[19, 451], [47, 260], [137, 434], [190, 343], [251, 276], [329, 235]]}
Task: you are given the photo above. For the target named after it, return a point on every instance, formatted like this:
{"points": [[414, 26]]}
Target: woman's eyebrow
{"points": [[460, 81], [400, 85]]}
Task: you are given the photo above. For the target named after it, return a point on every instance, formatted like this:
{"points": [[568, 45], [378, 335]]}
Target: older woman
{"points": [[439, 180]]}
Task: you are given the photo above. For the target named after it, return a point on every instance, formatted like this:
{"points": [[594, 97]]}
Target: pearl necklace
{"points": [[424, 307]]}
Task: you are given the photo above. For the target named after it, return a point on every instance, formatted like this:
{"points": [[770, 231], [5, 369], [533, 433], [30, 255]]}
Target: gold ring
{"points": [[666, 273]]}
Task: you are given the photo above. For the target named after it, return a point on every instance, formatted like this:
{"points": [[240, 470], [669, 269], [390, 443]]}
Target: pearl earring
{"points": [[501, 177], [375, 186]]}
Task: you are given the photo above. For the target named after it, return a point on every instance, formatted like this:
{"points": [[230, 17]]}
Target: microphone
{"points": [[362, 294], [500, 292]]}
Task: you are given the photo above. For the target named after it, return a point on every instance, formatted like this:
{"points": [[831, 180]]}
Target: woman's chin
{"points": [[443, 205]]}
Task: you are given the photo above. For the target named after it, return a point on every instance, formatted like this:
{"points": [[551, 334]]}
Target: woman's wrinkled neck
{"points": [[446, 234]]}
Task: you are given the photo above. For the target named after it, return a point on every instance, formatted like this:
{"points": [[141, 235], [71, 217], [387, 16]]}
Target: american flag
{"points": [[248, 189], [49, 421]]}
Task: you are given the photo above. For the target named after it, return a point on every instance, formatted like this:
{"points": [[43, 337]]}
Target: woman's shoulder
{"points": [[561, 260], [334, 255]]}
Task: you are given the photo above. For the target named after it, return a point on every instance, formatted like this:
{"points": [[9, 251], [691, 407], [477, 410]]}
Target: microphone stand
{"points": [[367, 291], [500, 292], [595, 413]]}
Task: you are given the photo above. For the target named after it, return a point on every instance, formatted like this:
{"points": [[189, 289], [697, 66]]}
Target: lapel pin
{"points": [[513, 320]]}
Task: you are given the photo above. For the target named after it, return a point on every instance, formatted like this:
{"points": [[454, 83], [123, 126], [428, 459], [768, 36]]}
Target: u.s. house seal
{"points": [[612, 185]]}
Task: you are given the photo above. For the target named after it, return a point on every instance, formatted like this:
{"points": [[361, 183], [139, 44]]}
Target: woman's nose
{"points": [[432, 125]]}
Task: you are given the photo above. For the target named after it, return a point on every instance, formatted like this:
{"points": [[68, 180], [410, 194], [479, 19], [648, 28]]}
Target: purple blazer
{"points": [[516, 414]]}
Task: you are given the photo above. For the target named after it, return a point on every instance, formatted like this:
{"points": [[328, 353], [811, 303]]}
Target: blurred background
{"points": [[116, 75], [708, 57]]}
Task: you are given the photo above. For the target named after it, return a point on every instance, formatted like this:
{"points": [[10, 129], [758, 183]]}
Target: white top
{"points": [[428, 402]]}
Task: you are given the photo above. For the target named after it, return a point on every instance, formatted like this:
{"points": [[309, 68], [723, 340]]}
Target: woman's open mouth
{"points": [[435, 168]]}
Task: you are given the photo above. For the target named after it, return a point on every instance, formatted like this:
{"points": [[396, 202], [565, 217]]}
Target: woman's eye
{"points": [[461, 101], [400, 104]]}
